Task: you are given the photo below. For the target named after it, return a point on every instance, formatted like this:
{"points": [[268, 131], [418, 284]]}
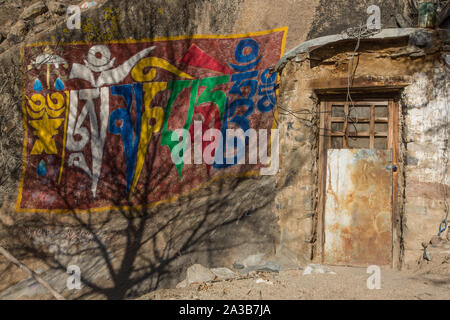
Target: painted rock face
{"points": [[89, 4]]}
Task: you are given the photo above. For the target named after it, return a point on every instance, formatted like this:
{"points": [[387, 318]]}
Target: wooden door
{"points": [[358, 183]]}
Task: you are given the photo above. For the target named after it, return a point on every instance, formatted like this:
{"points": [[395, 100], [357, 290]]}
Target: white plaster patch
{"points": [[416, 93], [427, 123]]}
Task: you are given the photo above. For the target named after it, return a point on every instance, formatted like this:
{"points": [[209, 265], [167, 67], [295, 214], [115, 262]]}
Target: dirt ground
{"points": [[429, 281], [432, 281]]}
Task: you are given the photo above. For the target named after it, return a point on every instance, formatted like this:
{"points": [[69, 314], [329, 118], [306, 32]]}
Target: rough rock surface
{"points": [[198, 273], [56, 7], [33, 11], [317, 268], [18, 30], [223, 273]]}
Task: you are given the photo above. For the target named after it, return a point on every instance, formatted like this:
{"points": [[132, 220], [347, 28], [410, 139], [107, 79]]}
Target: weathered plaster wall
{"points": [[297, 179], [426, 107], [423, 123]]}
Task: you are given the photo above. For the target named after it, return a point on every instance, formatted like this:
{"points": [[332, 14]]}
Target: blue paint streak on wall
{"points": [[245, 79], [130, 135], [224, 143]]}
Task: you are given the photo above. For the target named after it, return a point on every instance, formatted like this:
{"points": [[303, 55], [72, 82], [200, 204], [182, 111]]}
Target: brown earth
{"points": [[431, 281]]}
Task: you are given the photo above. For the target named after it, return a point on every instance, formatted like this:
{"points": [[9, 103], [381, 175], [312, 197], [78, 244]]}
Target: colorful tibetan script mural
{"points": [[99, 117]]}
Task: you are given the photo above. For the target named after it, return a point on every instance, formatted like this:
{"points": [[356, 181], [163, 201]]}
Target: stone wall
{"points": [[29, 20], [295, 201]]}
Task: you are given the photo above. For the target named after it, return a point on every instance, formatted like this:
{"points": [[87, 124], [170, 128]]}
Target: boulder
{"points": [[250, 261], [223, 273], [15, 3], [421, 39], [182, 284], [33, 11], [57, 7], [256, 262], [4, 45], [427, 255], [264, 281], [267, 267], [436, 240], [199, 273], [253, 260], [40, 19], [18, 31], [4, 30], [317, 268]]}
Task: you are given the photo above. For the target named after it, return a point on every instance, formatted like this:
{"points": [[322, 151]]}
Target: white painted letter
{"points": [[98, 133]]}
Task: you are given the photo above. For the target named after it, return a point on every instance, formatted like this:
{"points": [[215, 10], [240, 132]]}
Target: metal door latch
{"points": [[392, 167]]}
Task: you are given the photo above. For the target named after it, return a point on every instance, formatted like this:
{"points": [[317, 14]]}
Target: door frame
{"points": [[393, 144]]}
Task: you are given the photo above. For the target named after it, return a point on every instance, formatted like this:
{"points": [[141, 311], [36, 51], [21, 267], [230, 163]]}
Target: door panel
{"points": [[357, 220]]}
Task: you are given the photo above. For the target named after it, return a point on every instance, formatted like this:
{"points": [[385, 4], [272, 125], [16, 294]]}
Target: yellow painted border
{"points": [[64, 137], [154, 204], [283, 46]]}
